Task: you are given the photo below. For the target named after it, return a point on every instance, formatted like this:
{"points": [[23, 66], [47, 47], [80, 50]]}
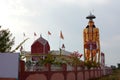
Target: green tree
{"points": [[49, 59], [6, 40]]}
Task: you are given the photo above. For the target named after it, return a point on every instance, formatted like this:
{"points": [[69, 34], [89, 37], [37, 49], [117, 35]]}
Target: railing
{"points": [[50, 72]]}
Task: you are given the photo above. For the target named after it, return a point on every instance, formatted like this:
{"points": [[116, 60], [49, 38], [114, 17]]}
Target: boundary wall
{"points": [[64, 74]]}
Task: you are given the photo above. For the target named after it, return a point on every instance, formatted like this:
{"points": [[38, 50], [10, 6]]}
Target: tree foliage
{"points": [[6, 40], [49, 59]]}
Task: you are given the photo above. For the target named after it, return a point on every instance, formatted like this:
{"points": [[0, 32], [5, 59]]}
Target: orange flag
{"points": [[63, 46], [24, 34], [49, 33], [61, 35], [35, 34]]}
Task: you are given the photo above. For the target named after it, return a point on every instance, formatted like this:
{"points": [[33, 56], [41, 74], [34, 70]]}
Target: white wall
{"points": [[9, 64]]}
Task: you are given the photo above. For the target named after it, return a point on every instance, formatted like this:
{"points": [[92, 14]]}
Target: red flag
{"points": [[61, 35], [35, 34], [81, 55], [49, 33], [63, 46], [24, 34], [21, 48]]}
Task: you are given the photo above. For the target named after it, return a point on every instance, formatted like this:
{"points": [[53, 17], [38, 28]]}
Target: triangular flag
{"points": [[24, 34], [63, 46], [49, 33], [61, 35], [35, 34], [21, 48]]}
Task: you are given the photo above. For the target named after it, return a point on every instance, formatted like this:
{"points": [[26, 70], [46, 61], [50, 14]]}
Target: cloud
{"points": [[37, 7], [84, 3], [111, 42]]}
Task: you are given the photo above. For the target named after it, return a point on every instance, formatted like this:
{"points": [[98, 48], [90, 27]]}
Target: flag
{"points": [[21, 48], [61, 35], [35, 34], [63, 46], [81, 55], [24, 34], [49, 33]]}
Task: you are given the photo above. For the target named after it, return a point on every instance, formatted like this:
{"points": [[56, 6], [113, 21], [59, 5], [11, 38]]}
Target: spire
{"points": [[40, 35], [90, 17]]}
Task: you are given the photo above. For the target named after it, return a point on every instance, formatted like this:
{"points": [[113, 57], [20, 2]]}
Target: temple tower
{"points": [[40, 46], [91, 41]]}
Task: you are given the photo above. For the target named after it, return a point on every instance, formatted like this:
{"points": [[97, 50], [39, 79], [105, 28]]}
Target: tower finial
{"points": [[90, 13], [91, 16], [40, 35]]}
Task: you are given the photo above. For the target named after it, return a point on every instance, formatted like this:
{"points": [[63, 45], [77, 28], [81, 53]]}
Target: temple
{"points": [[42, 63]]}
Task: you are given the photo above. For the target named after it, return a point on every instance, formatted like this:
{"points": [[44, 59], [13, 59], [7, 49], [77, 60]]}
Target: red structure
{"points": [[40, 46], [63, 74]]}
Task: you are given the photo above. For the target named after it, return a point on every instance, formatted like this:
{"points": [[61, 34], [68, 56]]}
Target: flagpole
{"points": [[61, 37], [59, 42], [60, 47], [35, 36], [24, 39], [48, 37], [49, 34]]}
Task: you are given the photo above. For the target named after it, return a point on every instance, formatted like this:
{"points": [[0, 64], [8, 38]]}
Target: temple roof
{"points": [[41, 40]]}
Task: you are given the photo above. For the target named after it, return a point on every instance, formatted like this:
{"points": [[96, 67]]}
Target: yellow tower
{"points": [[91, 41]]}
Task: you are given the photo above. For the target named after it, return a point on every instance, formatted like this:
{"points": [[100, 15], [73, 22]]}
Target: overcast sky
{"points": [[68, 16]]}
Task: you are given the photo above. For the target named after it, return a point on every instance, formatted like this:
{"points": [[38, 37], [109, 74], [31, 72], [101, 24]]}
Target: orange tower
{"points": [[91, 41]]}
